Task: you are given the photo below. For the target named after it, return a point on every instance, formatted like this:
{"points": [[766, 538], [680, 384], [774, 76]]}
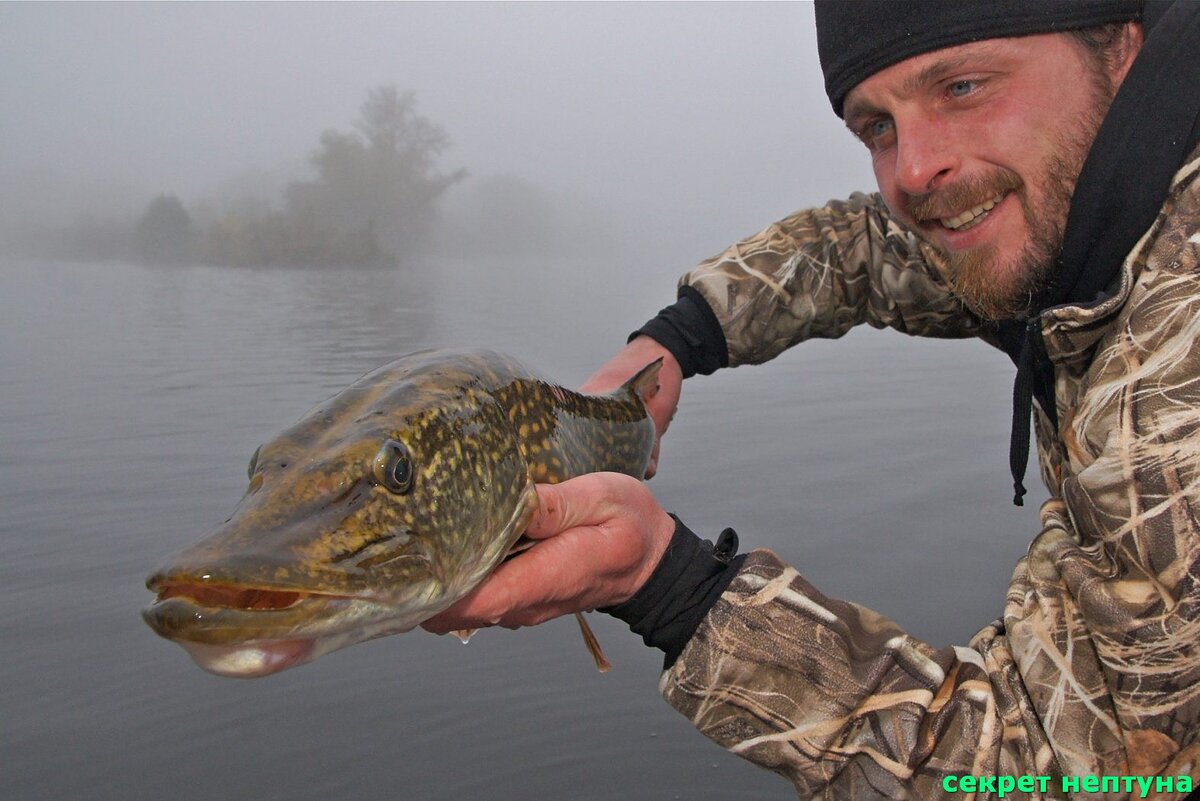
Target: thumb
{"points": [[576, 502]]}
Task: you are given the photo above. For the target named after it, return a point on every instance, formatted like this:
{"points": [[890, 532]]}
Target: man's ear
{"points": [[1128, 45]]}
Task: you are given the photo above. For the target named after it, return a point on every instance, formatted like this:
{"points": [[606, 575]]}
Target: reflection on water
{"points": [[133, 398]]}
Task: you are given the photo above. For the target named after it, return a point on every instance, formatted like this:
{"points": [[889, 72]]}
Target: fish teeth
{"points": [[961, 221]]}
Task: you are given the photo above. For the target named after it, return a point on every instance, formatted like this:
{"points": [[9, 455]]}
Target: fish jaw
{"points": [[251, 642], [251, 660], [241, 631], [256, 658], [262, 656]]}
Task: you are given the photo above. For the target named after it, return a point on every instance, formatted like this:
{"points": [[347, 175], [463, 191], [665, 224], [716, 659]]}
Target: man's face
{"points": [[978, 148]]}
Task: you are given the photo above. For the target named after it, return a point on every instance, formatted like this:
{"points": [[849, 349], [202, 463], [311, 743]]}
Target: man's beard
{"points": [[1001, 290]]}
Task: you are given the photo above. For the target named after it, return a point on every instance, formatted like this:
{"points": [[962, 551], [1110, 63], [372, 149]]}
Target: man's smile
{"points": [[960, 221], [972, 216]]}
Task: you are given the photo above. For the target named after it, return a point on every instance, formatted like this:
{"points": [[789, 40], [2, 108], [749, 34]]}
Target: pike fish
{"points": [[386, 504]]}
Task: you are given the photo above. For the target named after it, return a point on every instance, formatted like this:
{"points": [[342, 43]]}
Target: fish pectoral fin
{"points": [[589, 639], [593, 645]]}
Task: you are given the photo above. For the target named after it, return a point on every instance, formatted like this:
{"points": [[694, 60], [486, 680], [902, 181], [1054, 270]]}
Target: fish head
{"points": [[370, 515]]}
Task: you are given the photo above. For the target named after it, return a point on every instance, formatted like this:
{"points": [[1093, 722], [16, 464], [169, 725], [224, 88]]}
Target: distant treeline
{"points": [[373, 200], [373, 197]]}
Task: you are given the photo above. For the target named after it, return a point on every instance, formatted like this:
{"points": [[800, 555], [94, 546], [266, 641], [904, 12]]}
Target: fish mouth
{"points": [[235, 597], [217, 614], [240, 632], [248, 631]]}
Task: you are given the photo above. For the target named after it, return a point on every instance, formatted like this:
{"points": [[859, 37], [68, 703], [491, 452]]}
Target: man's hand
{"points": [[599, 537], [662, 405]]}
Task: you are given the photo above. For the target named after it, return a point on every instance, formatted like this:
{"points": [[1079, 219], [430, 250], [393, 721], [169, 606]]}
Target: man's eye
{"points": [[962, 88], [874, 131]]}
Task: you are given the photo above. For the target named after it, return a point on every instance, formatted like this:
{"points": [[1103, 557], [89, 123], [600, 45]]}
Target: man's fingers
{"points": [[500, 599], [548, 520], [482, 607], [558, 510], [597, 534], [652, 465], [587, 500]]}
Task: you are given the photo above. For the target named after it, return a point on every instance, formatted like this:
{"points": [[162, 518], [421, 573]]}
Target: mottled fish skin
{"points": [[326, 550]]}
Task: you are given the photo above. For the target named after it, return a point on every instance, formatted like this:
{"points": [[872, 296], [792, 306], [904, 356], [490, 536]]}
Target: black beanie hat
{"points": [[857, 38]]}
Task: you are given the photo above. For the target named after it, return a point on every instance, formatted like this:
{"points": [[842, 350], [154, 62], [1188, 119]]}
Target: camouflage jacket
{"points": [[1094, 667]]}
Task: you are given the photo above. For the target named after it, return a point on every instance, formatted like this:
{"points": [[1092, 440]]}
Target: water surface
{"points": [[131, 399]]}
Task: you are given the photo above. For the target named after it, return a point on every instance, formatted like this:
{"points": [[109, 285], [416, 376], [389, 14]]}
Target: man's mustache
{"points": [[953, 199]]}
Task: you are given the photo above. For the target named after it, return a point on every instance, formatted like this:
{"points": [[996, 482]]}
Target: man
{"points": [[1039, 187]]}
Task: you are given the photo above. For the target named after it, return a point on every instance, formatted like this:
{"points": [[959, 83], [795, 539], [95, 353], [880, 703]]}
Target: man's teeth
{"points": [[970, 216]]}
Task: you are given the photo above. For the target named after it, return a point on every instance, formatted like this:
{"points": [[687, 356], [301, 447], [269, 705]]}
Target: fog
{"points": [[672, 129], [644, 136]]}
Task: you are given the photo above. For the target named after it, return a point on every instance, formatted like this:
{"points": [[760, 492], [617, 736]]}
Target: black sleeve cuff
{"points": [[690, 330], [689, 579]]}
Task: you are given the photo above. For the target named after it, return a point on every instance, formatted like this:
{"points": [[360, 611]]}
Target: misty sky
{"points": [[694, 124]]}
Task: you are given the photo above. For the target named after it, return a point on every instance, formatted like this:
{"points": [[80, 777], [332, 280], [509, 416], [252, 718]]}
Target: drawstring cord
{"points": [[1018, 446]]}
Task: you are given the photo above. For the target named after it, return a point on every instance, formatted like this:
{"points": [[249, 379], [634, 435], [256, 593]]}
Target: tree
{"points": [[164, 233], [380, 180]]}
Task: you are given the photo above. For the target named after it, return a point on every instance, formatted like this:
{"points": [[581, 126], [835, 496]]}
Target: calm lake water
{"points": [[132, 397]]}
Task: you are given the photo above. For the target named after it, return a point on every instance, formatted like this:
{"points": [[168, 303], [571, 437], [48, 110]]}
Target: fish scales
{"points": [[387, 503], [567, 434]]}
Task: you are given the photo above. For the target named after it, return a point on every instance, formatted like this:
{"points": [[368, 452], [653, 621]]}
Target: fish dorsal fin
{"points": [[644, 383]]}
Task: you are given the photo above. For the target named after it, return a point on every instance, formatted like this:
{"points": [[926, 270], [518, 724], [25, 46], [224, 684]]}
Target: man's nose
{"points": [[926, 158]]}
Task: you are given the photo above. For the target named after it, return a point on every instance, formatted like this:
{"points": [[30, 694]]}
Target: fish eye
{"points": [[253, 462], [393, 467]]}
